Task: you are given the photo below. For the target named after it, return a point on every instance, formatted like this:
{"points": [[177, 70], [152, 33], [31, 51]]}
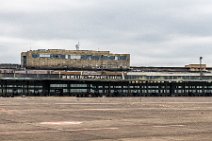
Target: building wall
{"points": [[57, 58]]}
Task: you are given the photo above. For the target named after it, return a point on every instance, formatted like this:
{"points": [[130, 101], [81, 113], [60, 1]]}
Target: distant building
{"points": [[69, 59], [10, 66]]}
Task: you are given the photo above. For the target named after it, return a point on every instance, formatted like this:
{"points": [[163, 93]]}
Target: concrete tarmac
{"points": [[106, 119]]}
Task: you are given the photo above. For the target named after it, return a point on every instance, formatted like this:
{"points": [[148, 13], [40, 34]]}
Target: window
{"points": [[58, 85], [35, 55], [58, 56], [122, 58], [44, 55], [95, 57], [75, 57], [86, 57]]}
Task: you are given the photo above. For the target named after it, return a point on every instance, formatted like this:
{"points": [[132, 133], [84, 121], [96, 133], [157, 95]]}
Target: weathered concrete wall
{"points": [[49, 62]]}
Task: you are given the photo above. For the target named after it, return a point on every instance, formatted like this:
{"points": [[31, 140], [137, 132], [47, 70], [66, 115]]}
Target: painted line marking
{"points": [[94, 129], [61, 123], [166, 126]]}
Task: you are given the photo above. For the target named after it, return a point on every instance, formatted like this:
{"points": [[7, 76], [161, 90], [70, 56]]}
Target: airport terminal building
{"points": [[83, 73], [74, 59]]}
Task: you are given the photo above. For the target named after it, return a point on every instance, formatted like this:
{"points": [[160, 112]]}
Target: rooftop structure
{"points": [[69, 59]]}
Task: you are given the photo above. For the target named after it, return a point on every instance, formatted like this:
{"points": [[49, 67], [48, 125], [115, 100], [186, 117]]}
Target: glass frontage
{"points": [[83, 57]]}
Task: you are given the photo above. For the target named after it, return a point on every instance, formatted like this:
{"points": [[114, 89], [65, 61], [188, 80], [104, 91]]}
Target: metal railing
{"points": [[103, 77]]}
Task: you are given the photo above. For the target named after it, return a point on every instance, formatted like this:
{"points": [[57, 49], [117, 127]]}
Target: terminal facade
{"points": [[74, 59], [56, 72], [145, 81]]}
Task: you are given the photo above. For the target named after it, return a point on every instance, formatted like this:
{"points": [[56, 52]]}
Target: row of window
{"points": [[82, 57]]}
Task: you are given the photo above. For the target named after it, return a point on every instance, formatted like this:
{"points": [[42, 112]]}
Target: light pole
{"points": [[200, 64]]}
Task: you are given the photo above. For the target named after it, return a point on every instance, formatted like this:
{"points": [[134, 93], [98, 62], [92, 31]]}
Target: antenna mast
{"points": [[77, 46]]}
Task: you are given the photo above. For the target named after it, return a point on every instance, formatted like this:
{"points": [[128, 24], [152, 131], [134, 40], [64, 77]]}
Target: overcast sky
{"points": [[154, 32]]}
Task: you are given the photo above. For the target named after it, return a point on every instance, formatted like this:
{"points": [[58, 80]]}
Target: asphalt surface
{"points": [[105, 119]]}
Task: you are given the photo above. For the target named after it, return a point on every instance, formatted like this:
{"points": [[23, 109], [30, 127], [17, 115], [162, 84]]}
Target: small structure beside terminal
{"points": [[196, 67]]}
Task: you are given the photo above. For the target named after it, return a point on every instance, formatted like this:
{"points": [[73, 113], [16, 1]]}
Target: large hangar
{"points": [[70, 59]]}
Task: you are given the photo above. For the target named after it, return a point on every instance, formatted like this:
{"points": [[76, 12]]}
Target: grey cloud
{"points": [[145, 28]]}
